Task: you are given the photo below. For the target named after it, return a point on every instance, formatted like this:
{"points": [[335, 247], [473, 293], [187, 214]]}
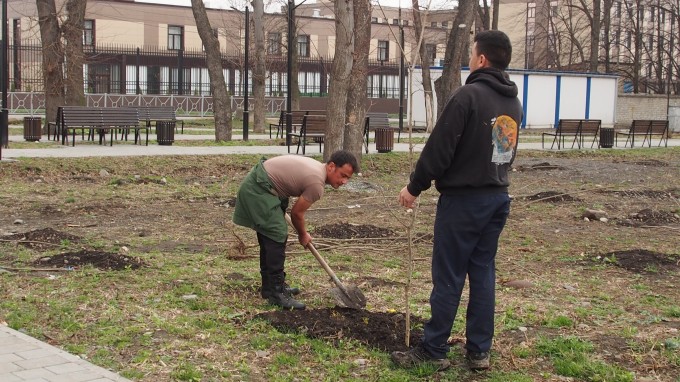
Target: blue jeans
{"points": [[466, 232]]}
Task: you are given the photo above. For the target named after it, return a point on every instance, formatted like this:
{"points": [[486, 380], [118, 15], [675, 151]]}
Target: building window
{"points": [[395, 21], [88, 33], [383, 50], [175, 37], [431, 51], [274, 44], [650, 43], [433, 24], [629, 39], [303, 45], [374, 20], [404, 23], [662, 15], [617, 9], [531, 12], [651, 14], [617, 38], [531, 41], [445, 24]]}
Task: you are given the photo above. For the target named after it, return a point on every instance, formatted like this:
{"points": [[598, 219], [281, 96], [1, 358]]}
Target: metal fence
{"points": [[118, 69]]}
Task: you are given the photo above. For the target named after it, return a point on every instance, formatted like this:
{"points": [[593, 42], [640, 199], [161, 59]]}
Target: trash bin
{"points": [[32, 128], [384, 139], [607, 137], [165, 132]]}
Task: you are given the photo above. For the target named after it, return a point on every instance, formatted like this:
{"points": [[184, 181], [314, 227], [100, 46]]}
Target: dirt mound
{"points": [[642, 261], [42, 239], [648, 217], [552, 196], [651, 194], [543, 166], [379, 330], [648, 162], [97, 259], [352, 231]]}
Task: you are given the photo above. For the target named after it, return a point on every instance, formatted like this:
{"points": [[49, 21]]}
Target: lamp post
{"points": [[246, 118], [4, 76], [289, 73], [246, 65]]}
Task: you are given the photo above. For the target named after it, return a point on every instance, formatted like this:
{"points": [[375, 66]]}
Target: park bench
{"points": [[99, 119], [296, 118], [374, 121], [576, 128], [149, 114], [313, 127], [648, 129]]}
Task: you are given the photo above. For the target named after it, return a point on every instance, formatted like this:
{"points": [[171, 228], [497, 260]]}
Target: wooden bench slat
{"points": [[101, 119], [648, 128]]}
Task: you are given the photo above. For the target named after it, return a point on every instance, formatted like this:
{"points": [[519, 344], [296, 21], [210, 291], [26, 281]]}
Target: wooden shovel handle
{"points": [[321, 261]]}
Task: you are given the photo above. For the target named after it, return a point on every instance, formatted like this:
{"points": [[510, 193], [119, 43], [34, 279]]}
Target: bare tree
{"points": [[221, 98], [357, 96], [336, 107], [52, 56], [72, 30], [456, 49], [260, 71], [425, 64]]}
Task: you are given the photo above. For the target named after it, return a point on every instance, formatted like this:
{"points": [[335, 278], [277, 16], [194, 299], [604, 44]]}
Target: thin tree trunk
{"points": [[595, 36], [425, 64], [357, 97], [455, 51], [259, 73], [72, 30], [496, 10], [221, 98], [51, 58], [340, 76]]}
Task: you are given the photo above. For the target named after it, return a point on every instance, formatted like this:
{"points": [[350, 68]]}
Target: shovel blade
{"points": [[353, 299]]}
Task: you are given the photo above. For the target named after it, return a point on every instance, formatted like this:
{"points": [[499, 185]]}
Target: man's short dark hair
{"points": [[343, 157], [496, 47]]}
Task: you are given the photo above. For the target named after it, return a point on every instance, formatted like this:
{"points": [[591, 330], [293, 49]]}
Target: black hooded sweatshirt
{"points": [[474, 141]]}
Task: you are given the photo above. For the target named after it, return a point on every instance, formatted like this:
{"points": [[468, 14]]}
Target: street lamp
{"points": [[4, 77], [246, 64]]}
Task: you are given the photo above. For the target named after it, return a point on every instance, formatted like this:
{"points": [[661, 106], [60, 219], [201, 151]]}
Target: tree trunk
{"points": [[339, 85], [295, 69], [72, 30], [357, 97], [496, 10], [595, 36], [51, 58], [425, 64], [221, 99], [259, 74], [455, 51]]}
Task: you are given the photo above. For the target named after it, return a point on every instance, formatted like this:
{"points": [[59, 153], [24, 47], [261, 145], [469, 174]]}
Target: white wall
{"points": [[546, 96]]}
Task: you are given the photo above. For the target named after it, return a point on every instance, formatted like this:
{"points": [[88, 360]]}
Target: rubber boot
{"points": [[281, 297], [266, 289]]}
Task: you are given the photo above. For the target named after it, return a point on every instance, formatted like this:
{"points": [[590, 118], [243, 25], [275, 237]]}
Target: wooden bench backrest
{"points": [[377, 120], [574, 126], [316, 112], [119, 116], [296, 116], [314, 124], [648, 126], [80, 116], [77, 116], [162, 113]]}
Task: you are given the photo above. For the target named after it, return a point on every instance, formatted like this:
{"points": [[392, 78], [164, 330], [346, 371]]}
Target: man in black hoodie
{"points": [[468, 156]]}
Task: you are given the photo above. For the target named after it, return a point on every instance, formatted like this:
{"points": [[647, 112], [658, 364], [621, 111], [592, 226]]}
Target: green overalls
{"points": [[258, 206]]}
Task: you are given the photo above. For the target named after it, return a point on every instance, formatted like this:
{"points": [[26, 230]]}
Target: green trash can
{"points": [[165, 132], [606, 137], [32, 129]]}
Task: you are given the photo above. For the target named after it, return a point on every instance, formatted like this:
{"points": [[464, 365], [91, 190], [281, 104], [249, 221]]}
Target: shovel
{"points": [[346, 295]]}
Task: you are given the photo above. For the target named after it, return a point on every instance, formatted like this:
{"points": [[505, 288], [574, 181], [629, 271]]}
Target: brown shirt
{"points": [[296, 175]]}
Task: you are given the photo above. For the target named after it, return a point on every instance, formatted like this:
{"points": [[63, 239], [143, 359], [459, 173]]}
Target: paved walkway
{"points": [[128, 149], [23, 358]]}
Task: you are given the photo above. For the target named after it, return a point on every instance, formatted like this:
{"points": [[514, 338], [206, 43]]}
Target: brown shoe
{"points": [[478, 361]]}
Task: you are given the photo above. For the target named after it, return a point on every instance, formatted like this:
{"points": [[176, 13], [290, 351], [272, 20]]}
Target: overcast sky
{"points": [[276, 4]]}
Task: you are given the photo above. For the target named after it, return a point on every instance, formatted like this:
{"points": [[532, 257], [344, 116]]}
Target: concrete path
{"points": [[127, 149], [23, 358]]}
